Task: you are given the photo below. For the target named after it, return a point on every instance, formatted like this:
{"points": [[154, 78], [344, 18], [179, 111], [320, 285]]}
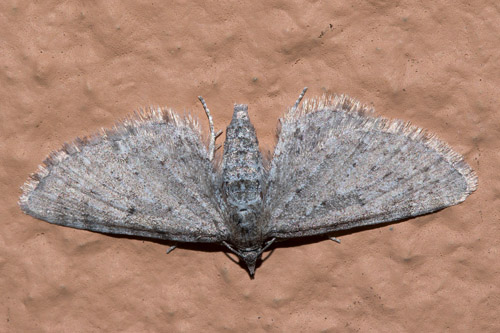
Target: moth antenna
{"points": [[213, 136], [296, 105]]}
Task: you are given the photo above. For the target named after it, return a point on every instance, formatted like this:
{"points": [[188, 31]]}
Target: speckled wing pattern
{"points": [[150, 176], [337, 167]]}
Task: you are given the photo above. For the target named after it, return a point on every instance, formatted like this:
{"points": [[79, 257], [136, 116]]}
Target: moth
{"points": [[335, 166]]}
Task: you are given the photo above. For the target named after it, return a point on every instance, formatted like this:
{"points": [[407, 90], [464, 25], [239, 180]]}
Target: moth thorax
{"points": [[245, 226]]}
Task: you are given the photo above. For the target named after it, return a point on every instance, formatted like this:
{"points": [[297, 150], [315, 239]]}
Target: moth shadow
{"points": [[279, 243], [205, 247], [285, 243]]}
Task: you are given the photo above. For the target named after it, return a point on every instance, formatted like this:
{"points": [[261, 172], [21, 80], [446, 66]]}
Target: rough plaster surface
{"points": [[69, 68]]}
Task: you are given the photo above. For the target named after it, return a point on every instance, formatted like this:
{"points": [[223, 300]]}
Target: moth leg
{"points": [[269, 243], [213, 136], [296, 105], [335, 239], [170, 249], [238, 253], [217, 147], [231, 258]]}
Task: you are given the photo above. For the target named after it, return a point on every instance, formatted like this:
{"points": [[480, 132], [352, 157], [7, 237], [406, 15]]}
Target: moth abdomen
{"points": [[242, 169]]}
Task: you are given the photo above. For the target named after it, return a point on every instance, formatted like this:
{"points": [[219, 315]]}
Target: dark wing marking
{"points": [[150, 176], [336, 167]]}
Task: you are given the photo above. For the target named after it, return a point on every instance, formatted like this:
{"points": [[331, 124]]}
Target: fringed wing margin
{"points": [[149, 176], [337, 167]]}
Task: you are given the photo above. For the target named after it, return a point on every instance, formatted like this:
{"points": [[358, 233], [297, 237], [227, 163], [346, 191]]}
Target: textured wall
{"points": [[69, 68]]}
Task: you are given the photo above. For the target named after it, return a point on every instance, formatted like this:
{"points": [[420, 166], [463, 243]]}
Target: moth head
{"points": [[250, 258]]}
